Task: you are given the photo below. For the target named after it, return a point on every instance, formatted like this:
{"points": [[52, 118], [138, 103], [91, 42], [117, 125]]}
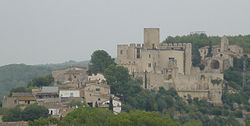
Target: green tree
{"points": [[12, 115], [100, 60], [110, 104], [44, 122], [117, 77], [86, 116], [19, 89], [193, 123], [41, 81], [34, 111], [210, 47]]}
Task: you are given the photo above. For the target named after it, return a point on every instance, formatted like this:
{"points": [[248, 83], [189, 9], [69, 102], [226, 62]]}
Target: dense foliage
{"points": [[30, 113], [100, 60], [102, 117], [41, 81], [233, 78]]}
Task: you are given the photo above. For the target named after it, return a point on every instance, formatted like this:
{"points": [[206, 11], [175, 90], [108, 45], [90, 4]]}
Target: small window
{"points": [[218, 50], [97, 89], [149, 56], [99, 99], [121, 51], [71, 94], [169, 76], [221, 55], [149, 65], [171, 58]]}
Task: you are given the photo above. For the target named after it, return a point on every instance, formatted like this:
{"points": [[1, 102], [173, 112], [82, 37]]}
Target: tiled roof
{"points": [[26, 98], [21, 94]]}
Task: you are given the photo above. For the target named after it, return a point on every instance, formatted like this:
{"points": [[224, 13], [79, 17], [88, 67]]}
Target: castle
{"points": [[169, 66]]}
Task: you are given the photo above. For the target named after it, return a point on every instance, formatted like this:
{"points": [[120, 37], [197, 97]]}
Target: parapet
{"points": [[174, 46]]}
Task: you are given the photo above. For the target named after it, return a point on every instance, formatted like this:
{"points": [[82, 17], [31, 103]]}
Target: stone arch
{"points": [[215, 64]]}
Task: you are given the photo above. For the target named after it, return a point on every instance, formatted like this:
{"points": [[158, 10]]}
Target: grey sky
{"points": [[53, 31]]}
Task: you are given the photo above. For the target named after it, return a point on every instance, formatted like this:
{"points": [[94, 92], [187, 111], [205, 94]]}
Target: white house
{"points": [[69, 93], [117, 106]]}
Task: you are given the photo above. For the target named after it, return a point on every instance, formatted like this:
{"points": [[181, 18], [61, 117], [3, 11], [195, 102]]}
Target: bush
{"points": [[12, 115], [33, 112], [238, 114]]}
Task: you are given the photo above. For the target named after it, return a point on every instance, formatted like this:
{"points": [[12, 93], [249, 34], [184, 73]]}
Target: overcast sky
{"points": [[54, 31]]}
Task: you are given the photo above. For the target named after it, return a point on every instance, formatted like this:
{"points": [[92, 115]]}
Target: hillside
{"points": [[15, 75]]}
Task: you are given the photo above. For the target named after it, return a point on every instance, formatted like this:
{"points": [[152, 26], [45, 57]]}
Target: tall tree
{"points": [[117, 77], [33, 112], [100, 60], [210, 47], [111, 104], [13, 114]]}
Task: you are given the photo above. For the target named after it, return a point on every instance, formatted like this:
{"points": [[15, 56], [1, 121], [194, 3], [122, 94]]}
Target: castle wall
{"points": [[188, 58], [165, 55]]}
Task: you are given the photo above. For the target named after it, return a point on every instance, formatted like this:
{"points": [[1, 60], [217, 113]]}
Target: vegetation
{"points": [[75, 103], [33, 112], [100, 60], [102, 117], [30, 113], [41, 81], [110, 104]]}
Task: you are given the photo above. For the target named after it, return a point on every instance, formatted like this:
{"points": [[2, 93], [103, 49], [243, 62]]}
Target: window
{"points": [[121, 51], [149, 56], [171, 58], [221, 55], [97, 89], [138, 53], [218, 50], [99, 99], [71, 94], [149, 65]]}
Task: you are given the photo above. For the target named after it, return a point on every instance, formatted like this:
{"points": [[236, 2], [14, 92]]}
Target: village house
{"points": [[95, 93], [70, 78], [18, 98], [47, 94]]}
